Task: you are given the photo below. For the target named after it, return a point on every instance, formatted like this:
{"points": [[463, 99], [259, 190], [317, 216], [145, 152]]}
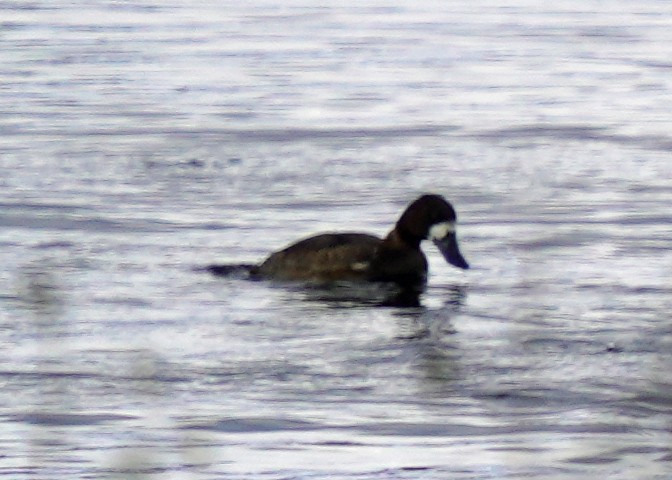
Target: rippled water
{"points": [[142, 140]]}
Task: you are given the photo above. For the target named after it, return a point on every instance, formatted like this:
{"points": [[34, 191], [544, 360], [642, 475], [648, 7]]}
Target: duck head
{"points": [[431, 217]]}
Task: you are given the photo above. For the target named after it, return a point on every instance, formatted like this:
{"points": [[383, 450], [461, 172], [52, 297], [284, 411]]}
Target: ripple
{"points": [[254, 425], [69, 419]]}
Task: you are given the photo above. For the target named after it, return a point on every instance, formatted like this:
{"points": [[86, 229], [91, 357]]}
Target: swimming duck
{"points": [[358, 257]]}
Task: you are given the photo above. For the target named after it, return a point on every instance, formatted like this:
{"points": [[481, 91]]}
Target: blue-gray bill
{"points": [[450, 251]]}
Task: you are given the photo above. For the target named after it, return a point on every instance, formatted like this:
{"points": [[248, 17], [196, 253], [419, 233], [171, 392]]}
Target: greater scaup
{"points": [[358, 257]]}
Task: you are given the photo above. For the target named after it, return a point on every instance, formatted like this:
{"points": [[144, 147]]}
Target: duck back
{"points": [[325, 257]]}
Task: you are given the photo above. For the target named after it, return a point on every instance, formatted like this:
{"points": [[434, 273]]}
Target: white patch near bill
{"points": [[438, 231]]}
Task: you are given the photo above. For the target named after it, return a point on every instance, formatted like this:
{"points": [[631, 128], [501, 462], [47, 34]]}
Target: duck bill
{"points": [[451, 251]]}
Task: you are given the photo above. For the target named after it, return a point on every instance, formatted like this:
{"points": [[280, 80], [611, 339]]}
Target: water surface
{"points": [[142, 140]]}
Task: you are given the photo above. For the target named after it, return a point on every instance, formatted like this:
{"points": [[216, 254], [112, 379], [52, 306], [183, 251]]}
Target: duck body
{"points": [[354, 257], [360, 257]]}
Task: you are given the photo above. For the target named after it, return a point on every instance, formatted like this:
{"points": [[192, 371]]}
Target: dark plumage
{"points": [[397, 258]]}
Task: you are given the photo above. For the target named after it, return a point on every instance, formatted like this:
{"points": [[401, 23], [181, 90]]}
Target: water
{"points": [[141, 140]]}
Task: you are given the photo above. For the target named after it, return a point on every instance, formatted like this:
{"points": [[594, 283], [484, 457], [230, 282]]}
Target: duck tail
{"points": [[233, 270]]}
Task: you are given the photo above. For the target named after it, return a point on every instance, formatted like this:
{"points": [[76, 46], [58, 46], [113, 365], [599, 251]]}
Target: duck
{"points": [[361, 257]]}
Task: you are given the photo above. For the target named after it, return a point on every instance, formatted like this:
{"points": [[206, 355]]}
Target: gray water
{"points": [[142, 140]]}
